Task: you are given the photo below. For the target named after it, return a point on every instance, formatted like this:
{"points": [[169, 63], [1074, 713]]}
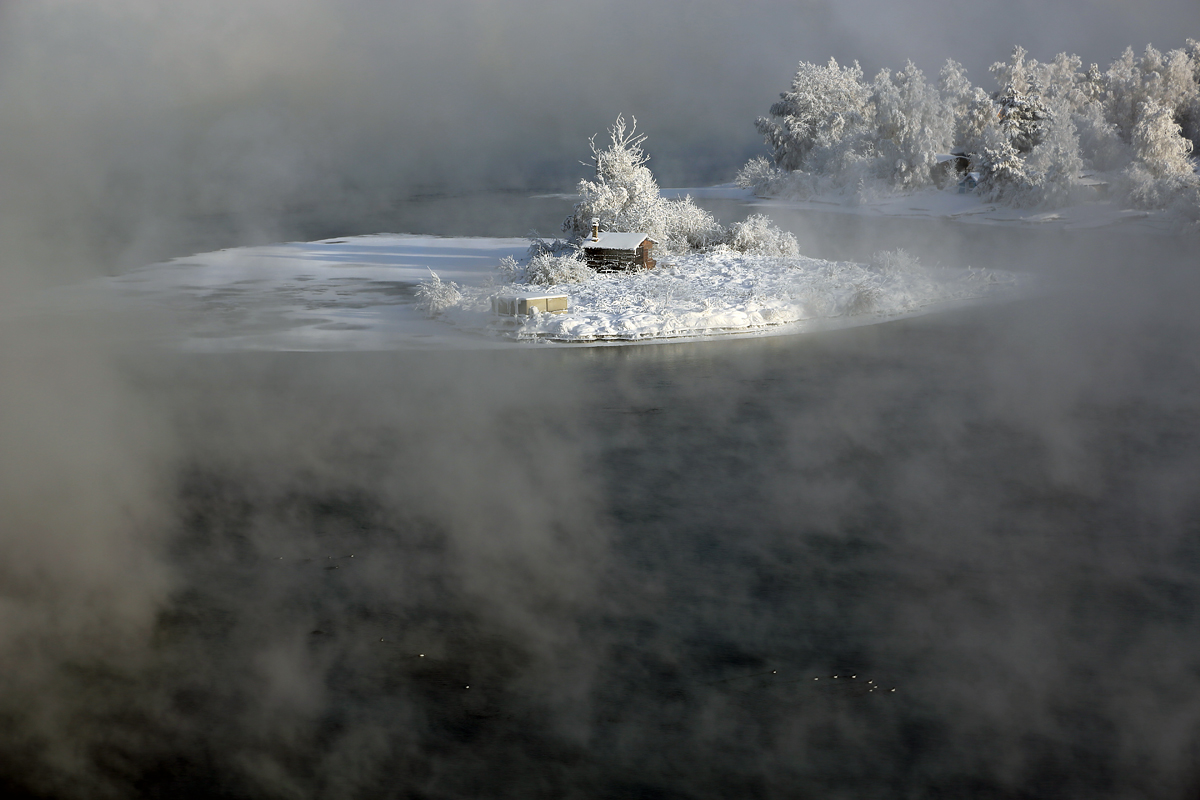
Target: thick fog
{"points": [[134, 129], [570, 572]]}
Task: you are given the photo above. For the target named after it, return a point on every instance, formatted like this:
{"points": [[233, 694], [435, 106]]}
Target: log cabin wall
{"points": [[617, 260], [611, 260]]}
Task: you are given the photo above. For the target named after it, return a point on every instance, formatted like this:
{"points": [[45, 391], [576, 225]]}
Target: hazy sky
{"points": [[124, 118]]}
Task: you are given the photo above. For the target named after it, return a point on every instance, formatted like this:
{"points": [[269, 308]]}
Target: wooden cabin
{"points": [[618, 252]]}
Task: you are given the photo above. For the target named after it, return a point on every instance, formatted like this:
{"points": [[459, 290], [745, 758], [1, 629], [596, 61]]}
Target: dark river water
{"points": [[946, 557]]}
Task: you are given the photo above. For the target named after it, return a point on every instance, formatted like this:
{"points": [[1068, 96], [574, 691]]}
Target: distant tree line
{"points": [[1036, 140]]}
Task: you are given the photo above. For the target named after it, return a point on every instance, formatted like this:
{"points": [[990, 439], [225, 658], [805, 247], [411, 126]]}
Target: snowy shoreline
{"points": [[725, 293], [360, 293]]}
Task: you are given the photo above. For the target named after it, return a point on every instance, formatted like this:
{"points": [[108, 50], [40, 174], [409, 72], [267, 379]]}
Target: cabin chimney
{"points": [[595, 229]]}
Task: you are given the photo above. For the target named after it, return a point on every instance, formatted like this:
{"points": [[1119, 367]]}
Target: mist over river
{"points": [[951, 556]]}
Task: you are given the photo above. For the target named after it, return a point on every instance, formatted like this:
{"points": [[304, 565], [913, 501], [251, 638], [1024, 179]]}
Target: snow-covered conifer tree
{"points": [[1023, 113], [1002, 167]]}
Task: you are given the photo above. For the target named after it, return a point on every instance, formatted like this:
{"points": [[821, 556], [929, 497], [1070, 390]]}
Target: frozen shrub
{"points": [[539, 246], [863, 300], [767, 180], [759, 175], [894, 262], [511, 271], [681, 225], [435, 295], [758, 236], [547, 270]]}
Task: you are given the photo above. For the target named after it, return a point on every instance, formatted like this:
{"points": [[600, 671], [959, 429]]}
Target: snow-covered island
{"points": [[709, 281], [1055, 145], [720, 293], [403, 291]]}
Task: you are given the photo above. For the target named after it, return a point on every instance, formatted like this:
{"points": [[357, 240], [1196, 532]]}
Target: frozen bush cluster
{"points": [[546, 269], [435, 295], [1031, 139], [894, 262], [756, 235]]}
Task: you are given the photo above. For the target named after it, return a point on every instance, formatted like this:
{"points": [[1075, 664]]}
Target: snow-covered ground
{"points": [[725, 293], [359, 293], [948, 204]]}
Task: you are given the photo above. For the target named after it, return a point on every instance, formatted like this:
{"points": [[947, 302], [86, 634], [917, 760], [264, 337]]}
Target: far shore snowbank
{"points": [[949, 205]]}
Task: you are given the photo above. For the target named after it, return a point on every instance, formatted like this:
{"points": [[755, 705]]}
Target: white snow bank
{"points": [[360, 293], [728, 293]]}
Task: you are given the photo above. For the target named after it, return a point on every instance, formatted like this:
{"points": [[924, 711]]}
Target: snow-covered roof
{"points": [[611, 240]]}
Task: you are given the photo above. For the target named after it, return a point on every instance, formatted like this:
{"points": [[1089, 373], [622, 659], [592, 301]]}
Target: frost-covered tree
{"points": [[1171, 79], [624, 185], [1161, 166], [1004, 177], [624, 197], [1031, 139], [978, 115], [1022, 112], [967, 107], [955, 87], [825, 107], [910, 126], [1055, 165], [1063, 83], [1158, 142]]}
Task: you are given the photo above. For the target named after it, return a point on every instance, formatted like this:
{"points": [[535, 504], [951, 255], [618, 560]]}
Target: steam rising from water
{"points": [[637, 560]]}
